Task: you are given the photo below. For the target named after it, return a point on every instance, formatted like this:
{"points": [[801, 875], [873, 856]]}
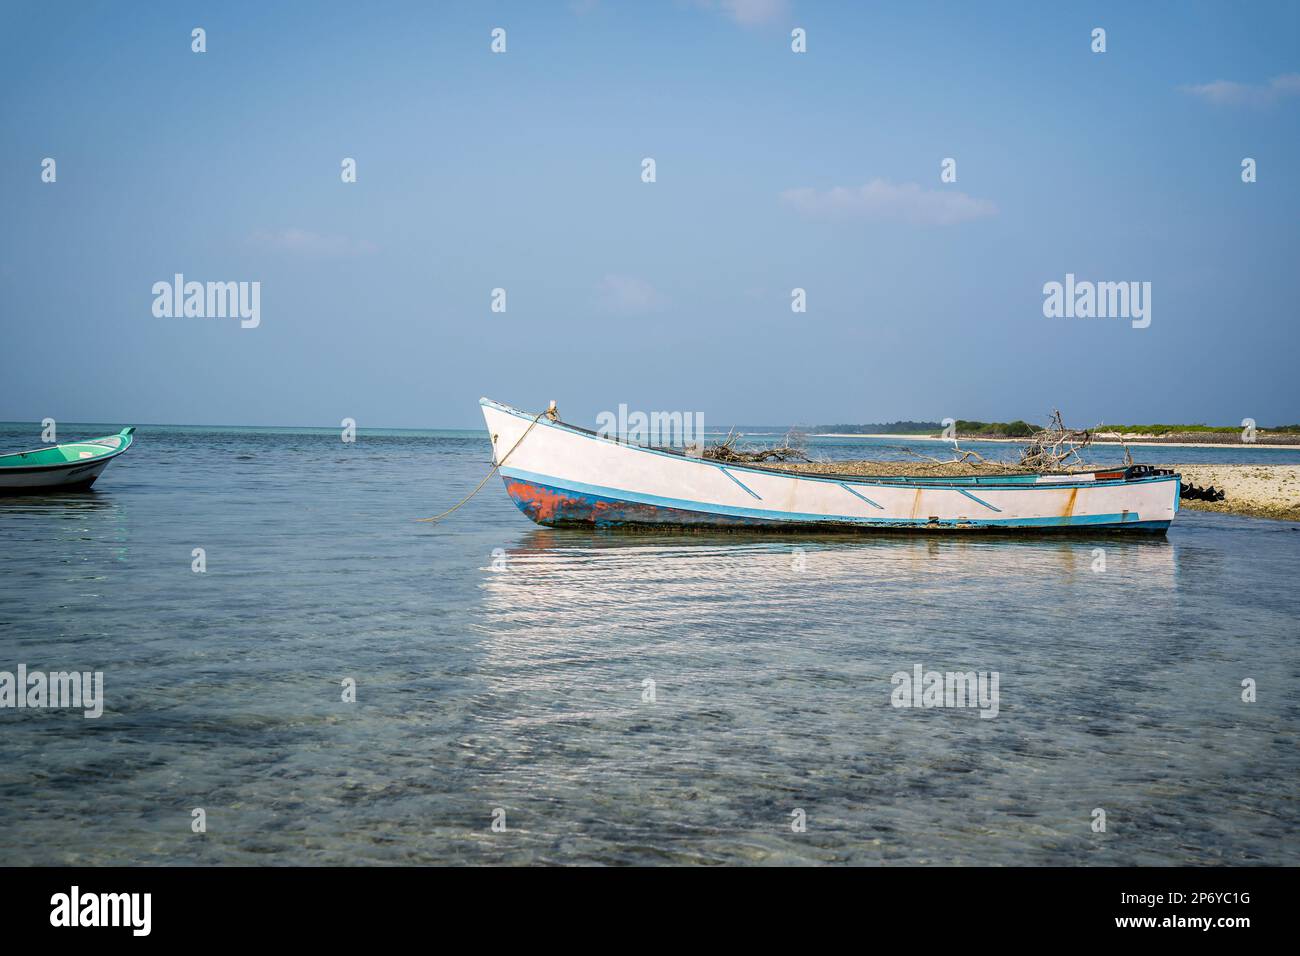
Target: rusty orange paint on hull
{"points": [[1068, 510], [540, 504], [556, 507]]}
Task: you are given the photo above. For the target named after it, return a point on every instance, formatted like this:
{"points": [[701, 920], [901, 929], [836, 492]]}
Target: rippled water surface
{"points": [[501, 665]]}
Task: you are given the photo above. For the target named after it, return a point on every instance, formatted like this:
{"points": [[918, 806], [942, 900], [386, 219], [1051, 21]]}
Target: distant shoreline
{"points": [[868, 435]]}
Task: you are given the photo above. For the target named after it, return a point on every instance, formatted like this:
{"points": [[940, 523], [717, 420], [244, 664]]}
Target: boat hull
{"points": [[58, 478], [561, 476], [556, 507], [67, 467]]}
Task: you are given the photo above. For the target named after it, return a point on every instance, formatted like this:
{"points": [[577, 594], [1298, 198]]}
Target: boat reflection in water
{"points": [[705, 685], [583, 609], [561, 578]]}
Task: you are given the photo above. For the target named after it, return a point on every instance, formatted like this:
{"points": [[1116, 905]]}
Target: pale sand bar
{"points": [[1258, 491]]}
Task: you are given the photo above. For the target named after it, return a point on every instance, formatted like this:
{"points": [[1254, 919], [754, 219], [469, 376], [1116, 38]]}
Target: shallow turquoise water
{"points": [[521, 687]]}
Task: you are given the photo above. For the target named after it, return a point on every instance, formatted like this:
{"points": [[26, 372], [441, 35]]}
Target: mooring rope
{"points": [[492, 471]]}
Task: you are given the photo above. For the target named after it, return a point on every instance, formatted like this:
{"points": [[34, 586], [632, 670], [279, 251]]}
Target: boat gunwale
{"points": [[984, 481]]}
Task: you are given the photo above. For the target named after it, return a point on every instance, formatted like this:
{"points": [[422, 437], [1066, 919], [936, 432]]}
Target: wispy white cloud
{"points": [[748, 12], [754, 11], [883, 200], [304, 242], [626, 295], [1229, 93]]}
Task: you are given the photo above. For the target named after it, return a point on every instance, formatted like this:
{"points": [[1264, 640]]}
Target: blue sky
{"points": [[523, 171]]}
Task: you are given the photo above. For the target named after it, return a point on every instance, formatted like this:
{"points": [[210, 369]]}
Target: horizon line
{"points": [[483, 427]]}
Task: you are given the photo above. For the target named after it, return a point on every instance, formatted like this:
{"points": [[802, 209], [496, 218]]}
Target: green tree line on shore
{"points": [[880, 428]]}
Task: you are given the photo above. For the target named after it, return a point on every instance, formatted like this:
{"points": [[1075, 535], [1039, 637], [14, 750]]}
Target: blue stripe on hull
{"points": [[578, 504]]}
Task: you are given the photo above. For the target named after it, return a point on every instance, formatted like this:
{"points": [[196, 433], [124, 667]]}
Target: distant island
{"points": [[967, 429], [893, 428]]}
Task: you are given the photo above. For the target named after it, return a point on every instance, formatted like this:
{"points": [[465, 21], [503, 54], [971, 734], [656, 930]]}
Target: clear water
{"points": [[522, 688]]}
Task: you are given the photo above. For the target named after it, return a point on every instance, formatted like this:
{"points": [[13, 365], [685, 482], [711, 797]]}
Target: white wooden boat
{"points": [[561, 475], [72, 466]]}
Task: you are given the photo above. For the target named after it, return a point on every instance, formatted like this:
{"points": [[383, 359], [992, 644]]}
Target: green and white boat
{"points": [[73, 466]]}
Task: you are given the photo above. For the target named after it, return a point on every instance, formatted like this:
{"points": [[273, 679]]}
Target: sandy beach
{"points": [[1257, 491]]}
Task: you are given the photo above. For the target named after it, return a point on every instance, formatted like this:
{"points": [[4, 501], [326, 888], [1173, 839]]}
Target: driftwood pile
{"points": [[1054, 448], [727, 450]]}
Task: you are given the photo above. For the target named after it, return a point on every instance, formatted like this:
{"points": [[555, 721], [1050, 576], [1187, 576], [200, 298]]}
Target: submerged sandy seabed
{"points": [[1257, 491]]}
